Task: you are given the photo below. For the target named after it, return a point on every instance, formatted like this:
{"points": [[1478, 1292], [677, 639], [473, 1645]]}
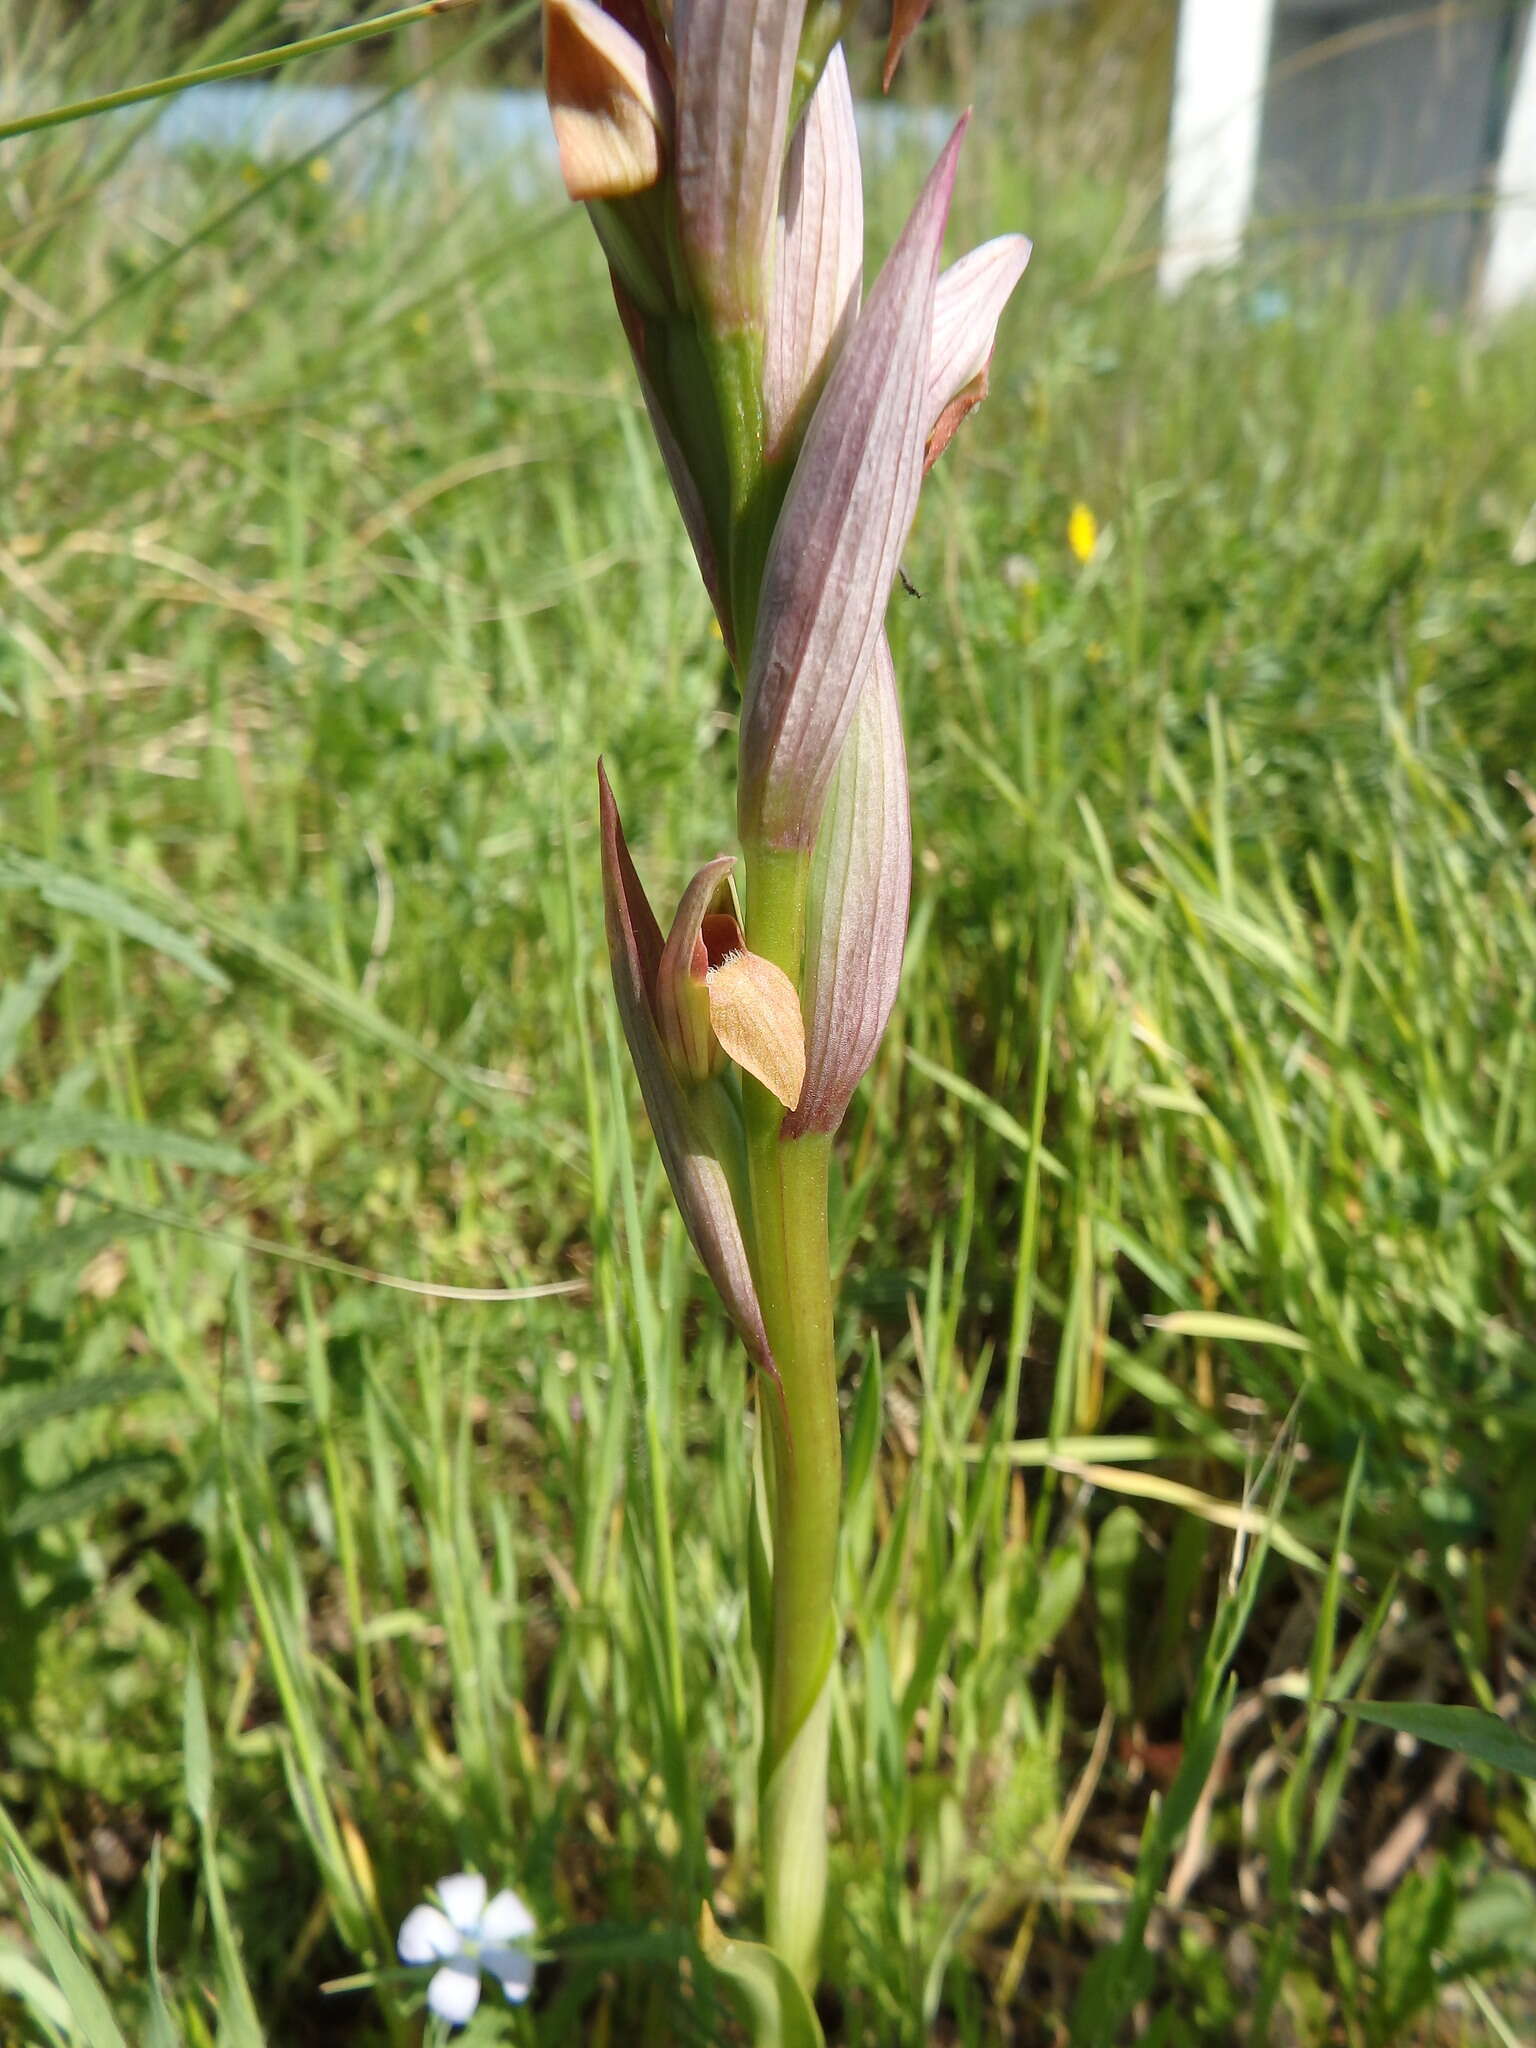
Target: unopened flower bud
{"points": [[609, 101], [735, 76], [819, 258], [856, 920], [838, 539]]}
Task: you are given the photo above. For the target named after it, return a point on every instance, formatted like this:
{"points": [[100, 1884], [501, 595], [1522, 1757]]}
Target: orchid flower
{"points": [[714, 144]]}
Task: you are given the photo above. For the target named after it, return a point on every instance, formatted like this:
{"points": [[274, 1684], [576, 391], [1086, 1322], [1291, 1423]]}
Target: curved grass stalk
{"points": [[234, 67]]}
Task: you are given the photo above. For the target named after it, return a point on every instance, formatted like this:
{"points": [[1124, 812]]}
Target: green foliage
{"points": [[1190, 1281], [1466, 1730], [782, 2016]]}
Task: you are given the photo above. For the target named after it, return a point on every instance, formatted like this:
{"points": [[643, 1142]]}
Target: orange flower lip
{"points": [[714, 999]]}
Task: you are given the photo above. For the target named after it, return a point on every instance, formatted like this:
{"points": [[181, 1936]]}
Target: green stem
{"points": [[735, 366], [235, 67], [825, 24], [789, 1183], [804, 1463]]}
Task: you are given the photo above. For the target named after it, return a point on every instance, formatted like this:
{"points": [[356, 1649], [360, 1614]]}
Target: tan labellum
{"points": [[756, 1015], [607, 99]]}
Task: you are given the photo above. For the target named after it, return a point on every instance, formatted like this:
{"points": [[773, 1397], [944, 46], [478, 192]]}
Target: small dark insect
{"points": [[906, 582]]}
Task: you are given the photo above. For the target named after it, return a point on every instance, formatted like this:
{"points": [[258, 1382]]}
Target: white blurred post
{"points": [[1509, 272], [1213, 144]]}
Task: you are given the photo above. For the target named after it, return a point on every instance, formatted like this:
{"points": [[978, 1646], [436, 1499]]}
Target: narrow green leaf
{"points": [[991, 1113], [1202, 1322], [864, 1430], [57, 1251], [1114, 1560], [354, 1010], [235, 67], [1033, 1452], [83, 1130], [161, 2032], [1056, 1592], [83, 1994], [1466, 1730], [32, 1407], [21, 1000], [84, 898], [90, 1490], [22, 1980], [197, 1756], [782, 2015]]}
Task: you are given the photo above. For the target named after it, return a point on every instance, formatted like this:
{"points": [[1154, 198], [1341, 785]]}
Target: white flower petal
{"points": [[463, 1900], [513, 1969], [454, 1992], [506, 1918], [426, 1936]]}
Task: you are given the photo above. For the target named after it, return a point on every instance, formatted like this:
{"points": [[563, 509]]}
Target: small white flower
{"points": [[467, 1935]]}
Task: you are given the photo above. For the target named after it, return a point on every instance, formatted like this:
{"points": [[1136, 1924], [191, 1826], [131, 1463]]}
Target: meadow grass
{"points": [[1186, 1217]]}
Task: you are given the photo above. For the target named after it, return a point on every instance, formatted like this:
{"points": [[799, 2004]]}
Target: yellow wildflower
{"points": [[1083, 532]]}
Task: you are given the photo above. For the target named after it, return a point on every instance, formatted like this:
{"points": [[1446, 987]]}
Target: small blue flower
{"points": [[464, 1935]]}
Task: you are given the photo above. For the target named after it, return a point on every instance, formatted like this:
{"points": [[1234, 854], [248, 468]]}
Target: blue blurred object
{"points": [[476, 130], [1268, 306]]}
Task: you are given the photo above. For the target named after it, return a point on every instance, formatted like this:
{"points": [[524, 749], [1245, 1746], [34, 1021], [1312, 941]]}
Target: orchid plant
{"points": [[713, 143]]}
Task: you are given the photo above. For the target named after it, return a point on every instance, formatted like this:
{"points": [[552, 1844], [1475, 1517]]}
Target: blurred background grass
{"points": [[1190, 1274]]}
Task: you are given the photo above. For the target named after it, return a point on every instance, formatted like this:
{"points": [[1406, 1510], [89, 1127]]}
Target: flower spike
{"points": [[796, 421], [839, 536], [699, 1177], [608, 99], [861, 882]]}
